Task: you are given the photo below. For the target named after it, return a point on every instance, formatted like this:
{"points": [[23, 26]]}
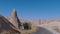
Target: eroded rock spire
{"points": [[14, 19], [14, 13]]}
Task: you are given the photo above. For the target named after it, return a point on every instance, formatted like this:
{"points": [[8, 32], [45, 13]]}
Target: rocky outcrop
{"points": [[6, 26], [14, 19]]}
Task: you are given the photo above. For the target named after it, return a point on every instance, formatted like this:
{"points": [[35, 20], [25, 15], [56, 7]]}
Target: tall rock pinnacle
{"points": [[14, 19], [14, 13]]}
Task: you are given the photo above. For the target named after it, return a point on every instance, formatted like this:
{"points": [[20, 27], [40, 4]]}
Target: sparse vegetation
{"points": [[29, 31], [57, 29], [28, 28]]}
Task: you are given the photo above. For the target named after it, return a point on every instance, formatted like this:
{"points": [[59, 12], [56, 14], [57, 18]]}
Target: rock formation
{"points": [[14, 19], [6, 26]]}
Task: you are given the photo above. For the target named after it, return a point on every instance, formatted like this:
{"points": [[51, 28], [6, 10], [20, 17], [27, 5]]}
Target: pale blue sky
{"points": [[31, 9]]}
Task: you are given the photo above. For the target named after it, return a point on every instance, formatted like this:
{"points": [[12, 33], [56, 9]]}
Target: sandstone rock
{"points": [[14, 19], [14, 13], [6, 26]]}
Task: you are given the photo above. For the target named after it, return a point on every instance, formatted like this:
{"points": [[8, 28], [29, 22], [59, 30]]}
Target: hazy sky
{"points": [[31, 9]]}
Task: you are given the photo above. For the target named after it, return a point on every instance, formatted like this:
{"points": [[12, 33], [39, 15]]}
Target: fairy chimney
{"points": [[14, 19], [14, 13]]}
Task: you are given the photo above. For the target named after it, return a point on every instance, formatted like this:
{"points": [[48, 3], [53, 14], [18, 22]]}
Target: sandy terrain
{"points": [[50, 28]]}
